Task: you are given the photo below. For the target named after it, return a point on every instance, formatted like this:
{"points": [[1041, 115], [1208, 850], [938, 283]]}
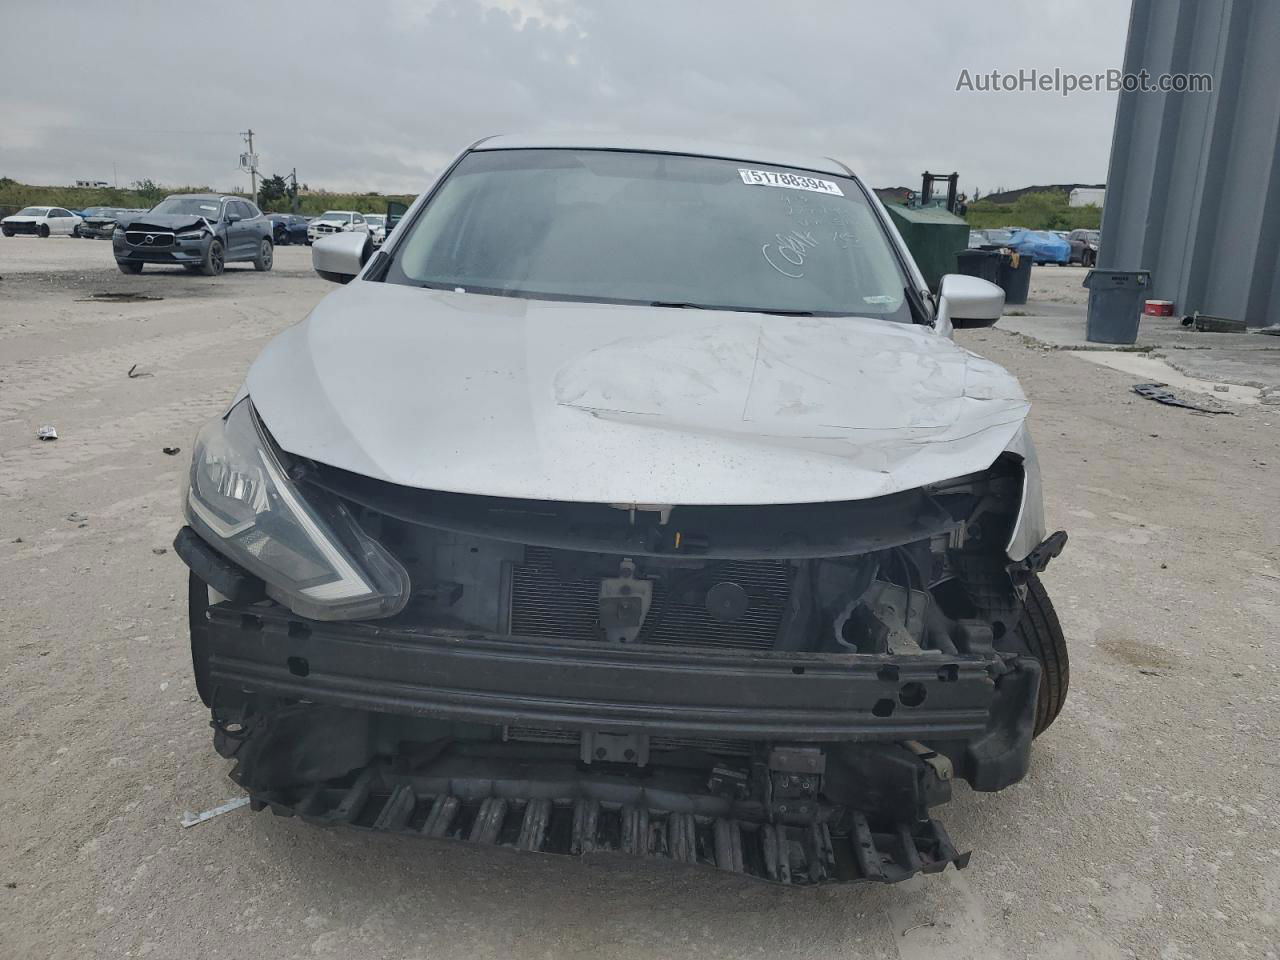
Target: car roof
{"points": [[659, 144]]}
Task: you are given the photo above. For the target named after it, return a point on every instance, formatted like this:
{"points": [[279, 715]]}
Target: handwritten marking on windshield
{"points": [[791, 248]]}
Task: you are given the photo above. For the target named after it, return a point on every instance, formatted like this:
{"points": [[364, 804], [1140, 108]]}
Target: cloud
{"points": [[380, 96]]}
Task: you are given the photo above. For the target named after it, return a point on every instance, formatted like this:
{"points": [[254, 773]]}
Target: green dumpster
{"points": [[933, 236]]}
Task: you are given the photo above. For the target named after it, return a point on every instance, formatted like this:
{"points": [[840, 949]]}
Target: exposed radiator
{"points": [[544, 604]]}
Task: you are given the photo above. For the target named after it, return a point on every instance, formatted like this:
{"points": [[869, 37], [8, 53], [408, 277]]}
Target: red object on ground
{"points": [[1158, 308]]}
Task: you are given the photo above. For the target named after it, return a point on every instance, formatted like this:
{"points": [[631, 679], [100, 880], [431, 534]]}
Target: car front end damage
{"points": [[167, 240], [783, 691]]}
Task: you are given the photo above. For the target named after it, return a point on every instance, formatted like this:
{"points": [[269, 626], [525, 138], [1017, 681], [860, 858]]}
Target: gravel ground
{"points": [[1149, 825]]}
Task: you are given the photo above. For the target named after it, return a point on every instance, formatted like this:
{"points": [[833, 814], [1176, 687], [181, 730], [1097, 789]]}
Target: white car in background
{"points": [[377, 227], [336, 221], [42, 221]]}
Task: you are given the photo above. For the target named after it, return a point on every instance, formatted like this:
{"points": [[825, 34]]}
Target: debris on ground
{"points": [[172, 451], [190, 819], [1207, 324], [47, 433], [1160, 393], [1271, 331], [128, 297], [135, 373], [1221, 388], [76, 517], [159, 551]]}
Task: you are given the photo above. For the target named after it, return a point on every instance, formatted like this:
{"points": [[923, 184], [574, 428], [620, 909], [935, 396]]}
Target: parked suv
{"points": [[1084, 247], [202, 232], [576, 523]]}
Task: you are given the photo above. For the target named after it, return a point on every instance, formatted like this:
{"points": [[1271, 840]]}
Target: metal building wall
{"points": [[1193, 193]]}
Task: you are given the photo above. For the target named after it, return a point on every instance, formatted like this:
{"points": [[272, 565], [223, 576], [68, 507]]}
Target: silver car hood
{"points": [[624, 404]]}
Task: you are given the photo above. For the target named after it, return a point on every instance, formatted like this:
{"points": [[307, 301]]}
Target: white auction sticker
{"points": [[793, 181]]}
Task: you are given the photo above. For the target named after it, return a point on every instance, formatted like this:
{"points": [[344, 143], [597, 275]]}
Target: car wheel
{"points": [[1087, 259], [214, 259], [43, 230], [6, 231], [75, 232], [128, 266], [1039, 636], [264, 258]]}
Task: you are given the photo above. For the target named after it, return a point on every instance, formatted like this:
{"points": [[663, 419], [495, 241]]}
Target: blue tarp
{"points": [[1040, 245]]}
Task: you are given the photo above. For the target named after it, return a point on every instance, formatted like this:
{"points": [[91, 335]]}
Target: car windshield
{"points": [[32, 212], [334, 215], [376, 219], [660, 229], [195, 206], [97, 212]]}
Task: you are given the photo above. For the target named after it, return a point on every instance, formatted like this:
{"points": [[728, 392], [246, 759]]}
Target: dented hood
{"points": [[175, 222], [624, 404]]}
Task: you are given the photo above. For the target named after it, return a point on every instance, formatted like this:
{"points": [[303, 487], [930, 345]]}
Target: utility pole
{"points": [[253, 166], [293, 200]]}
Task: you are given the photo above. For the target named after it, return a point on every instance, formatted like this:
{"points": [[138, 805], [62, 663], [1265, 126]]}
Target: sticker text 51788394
{"points": [[792, 181]]}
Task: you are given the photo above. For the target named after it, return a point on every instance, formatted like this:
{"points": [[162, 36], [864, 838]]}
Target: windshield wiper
{"points": [[702, 306]]}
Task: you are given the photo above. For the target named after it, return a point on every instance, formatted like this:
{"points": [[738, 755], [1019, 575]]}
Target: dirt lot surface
{"points": [[1149, 825]]}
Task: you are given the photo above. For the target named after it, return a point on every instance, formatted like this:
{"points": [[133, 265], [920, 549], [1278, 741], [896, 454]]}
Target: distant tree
{"points": [[148, 190], [274, 194]]}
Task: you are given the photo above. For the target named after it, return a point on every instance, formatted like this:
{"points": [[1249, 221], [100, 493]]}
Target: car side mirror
{"points": [[969, 301], [233, 217], [340, 257]]}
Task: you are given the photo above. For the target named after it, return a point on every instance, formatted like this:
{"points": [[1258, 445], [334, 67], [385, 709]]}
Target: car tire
{"points": [[42, 230], [265, 257], [1086, 259], [75, 232], [214, 259], [6, 231], [129, 266], [1039, 636]]}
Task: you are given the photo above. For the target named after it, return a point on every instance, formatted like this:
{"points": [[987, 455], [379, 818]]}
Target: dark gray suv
{"points": [[202, 232]]}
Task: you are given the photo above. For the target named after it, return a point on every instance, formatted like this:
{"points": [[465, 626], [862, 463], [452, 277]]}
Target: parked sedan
{"points": [[561, 529], [202, 232], [1042, 246], [288, 228], [99, 222], [41, 221]]}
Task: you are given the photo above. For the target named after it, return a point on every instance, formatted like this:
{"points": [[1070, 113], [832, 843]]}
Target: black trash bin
{"points": [[1115, 304], [1015, 277], [979, 263]]}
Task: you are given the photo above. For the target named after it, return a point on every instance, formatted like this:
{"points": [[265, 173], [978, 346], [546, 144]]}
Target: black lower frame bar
{"points": [[849, 848]]}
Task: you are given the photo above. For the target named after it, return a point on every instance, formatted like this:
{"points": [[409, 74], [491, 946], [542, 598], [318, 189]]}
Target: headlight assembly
{"points": [[310, 552], [192, 234]]}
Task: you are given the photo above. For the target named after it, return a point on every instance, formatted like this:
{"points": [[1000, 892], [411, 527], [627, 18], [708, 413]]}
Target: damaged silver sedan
{"points": [[632, 497]]}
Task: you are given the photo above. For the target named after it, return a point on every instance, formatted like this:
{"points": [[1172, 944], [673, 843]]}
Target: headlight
{"points": [[192, 234], [310, 552]]}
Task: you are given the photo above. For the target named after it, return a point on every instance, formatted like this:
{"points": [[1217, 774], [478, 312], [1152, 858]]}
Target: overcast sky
{"points": [[379, 95]]}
